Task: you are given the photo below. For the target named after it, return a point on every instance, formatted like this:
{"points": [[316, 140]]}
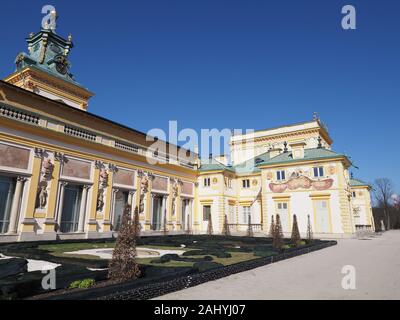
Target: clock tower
{"points": [[45, 69]]}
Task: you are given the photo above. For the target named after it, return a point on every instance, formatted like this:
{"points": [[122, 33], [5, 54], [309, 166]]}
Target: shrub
{"points": [[82, 284], [211, 252], [206, 265], [263, 254]]}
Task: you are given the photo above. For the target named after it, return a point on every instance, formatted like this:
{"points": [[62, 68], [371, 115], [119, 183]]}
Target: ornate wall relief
{"points": [[76, 169], [14, 157], [187, 188], [124, 177], [160, 183], [301, 182]]}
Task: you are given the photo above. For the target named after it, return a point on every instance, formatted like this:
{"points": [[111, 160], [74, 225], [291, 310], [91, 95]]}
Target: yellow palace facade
{"points": [[66, 173]]}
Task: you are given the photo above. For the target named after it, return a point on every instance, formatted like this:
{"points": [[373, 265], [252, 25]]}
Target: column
{"points": [[28, 223], [61, 203], [12, 228], [131, 203], [163, 213], [82, 212]]}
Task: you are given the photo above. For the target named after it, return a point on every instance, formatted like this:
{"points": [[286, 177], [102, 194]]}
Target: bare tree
{"points": [[383, 191]]}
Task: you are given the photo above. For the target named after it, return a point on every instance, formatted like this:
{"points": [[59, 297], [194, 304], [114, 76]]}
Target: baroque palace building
{"points": [[66, 173]]}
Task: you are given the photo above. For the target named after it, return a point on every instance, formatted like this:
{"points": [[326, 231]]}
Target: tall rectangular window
{"points": [[7, 187], [71, 208], [207, 182], [246, 211], [232, 214], [246, 183], [280, 175], [206, 213], [318, 172]]}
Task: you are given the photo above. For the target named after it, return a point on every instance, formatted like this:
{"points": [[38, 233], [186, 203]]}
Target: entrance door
{"points": [[71, 208], [7, 187], [322, 216], [157, 214], [120, 203], [284, 216]]}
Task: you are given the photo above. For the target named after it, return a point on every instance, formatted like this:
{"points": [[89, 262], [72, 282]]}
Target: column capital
{"points": [[59, 156], [87, 187], [98, 164], [64, 183], [39, 153], [112, 167], [22, 179]]}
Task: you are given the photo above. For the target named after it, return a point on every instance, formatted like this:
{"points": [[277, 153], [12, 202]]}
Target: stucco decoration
{"points": [[269, 176], [301, 182], [215, 181], [14, 157], [331, 170]]}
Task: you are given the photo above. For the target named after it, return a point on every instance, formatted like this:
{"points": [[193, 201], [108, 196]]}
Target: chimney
{"points": [[273, 152], [298, 149]]}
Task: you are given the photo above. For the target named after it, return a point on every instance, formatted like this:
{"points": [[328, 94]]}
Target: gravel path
{"points": [[315, 276]]}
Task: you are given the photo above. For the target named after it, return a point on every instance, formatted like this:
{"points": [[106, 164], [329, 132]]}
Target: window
{"points": [[280, 175], [246, 184], [206, 213], [232, 216], [318, 172], [354, 194], [246, 214], [71, 208], [207, 182]]}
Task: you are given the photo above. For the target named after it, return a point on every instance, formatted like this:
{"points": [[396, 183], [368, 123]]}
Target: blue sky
{"points": [[234, 64]]}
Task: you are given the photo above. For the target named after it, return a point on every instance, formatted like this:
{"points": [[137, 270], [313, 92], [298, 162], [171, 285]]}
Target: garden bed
{"points": [[202, 258]]}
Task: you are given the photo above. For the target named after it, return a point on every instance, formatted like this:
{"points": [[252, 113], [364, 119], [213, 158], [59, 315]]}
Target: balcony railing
{"points": [[244, 226]]}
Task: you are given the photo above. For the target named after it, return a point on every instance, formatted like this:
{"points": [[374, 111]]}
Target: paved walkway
{"points": [[315, 276]]}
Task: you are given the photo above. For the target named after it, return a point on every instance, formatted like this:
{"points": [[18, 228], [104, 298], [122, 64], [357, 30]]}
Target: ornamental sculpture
{"points": [[45, 178], [175, 190], [103, 184], [144, 187]]}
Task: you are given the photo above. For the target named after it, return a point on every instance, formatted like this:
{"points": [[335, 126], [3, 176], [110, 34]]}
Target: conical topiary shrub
{"points": [[225, 230], [277, 242], [136, 223], [295, 238], [210, 230], [123, 266], [250, 232], [309, 230], [272, 228]]}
